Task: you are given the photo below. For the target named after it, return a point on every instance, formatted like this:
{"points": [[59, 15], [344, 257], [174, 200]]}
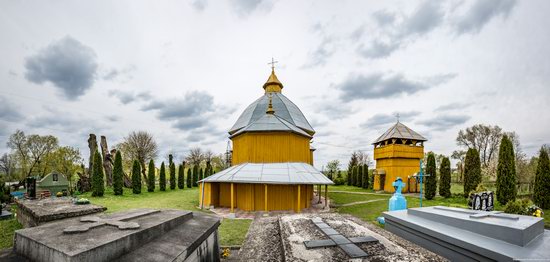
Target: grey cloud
{"points": [[67, 64], [442, 122], [453, 106], [9, 111], [126, 97], [381, 86], [379, 49], [320, 55], [245, 7], [199, 5], [384, 17], [379, 120], [427, 16], [115, 73], [482, 12], [189, 112]]}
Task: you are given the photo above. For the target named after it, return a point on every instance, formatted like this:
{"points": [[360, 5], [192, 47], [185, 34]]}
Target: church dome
{"points": [[283, 108]]}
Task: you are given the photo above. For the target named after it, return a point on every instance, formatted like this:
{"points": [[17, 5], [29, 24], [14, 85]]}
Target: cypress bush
{"points": [[353, 175], [189, 178], [117, 174], [445, 178], [201, 175], [541, 193], [136, 177], [472, 171], [195, 175], [431, 180], [181, 176], [365, 176], [162, 177], [151, 176], [506, 172], [208, 170], [98, 186], [348, 174], [172, 176], [359, 175]]}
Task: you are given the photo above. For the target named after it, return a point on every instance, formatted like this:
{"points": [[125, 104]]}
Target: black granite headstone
{"points": [[31, 187]]}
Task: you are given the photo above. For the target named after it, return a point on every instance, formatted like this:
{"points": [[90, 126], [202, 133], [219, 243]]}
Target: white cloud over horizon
{"points": [[184, 71]]}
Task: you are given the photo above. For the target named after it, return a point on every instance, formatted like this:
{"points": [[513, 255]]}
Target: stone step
{"points": [[49, 242]]}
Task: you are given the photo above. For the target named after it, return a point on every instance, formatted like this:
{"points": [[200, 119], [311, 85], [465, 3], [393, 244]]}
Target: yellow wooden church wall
{"points": [[271, 147], [397, 161], [251, 197]]}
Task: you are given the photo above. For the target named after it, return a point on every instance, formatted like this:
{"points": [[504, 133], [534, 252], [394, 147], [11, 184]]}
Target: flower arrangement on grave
{"points": [[523, 207], [535, 211], [225, 253], [82, 201], [58, 194]]}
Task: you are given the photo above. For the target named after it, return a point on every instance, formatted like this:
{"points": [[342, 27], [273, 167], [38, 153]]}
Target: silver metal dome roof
{"points": [[283, 107]]}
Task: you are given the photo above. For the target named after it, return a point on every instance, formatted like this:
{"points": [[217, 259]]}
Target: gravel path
{"points": [[263, 241], [359, 202]]}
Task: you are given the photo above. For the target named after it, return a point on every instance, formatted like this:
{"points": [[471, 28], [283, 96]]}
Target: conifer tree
{"points": [[431, 180], [201, 175], [472, 171], [196, 175], [349, 175], [359, 181], [506, 172], [136, 177], [354, 175], [117, 174], [181, 176], [151, 176], [162, 177], [365, 176], [172, 168], [208, 170], [189, 178], [445, 178], [172, 176], [98, 186], [541, 193]]}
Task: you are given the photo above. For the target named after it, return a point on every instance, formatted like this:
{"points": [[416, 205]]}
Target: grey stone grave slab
{"points": [[31, 213], [337, 239], [469, 235], [134, 235], [5, 215]]}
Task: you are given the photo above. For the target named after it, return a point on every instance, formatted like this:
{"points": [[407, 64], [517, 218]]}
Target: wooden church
{"points": [[272, 160], [398, 153]]}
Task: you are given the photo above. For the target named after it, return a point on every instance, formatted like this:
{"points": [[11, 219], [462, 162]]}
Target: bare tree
{"points": [[139, 146], [92, 145], [7, 164], [484, 138], [363, 158], [196, 156], [107, 161], [459, 155]]}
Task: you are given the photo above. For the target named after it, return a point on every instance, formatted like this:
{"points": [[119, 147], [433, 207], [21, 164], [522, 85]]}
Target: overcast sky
{"points": [[185, 70]]}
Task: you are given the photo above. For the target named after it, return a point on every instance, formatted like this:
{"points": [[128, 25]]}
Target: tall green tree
{"points": [[162, 177], [431, 180], [118, 173], [136, 177], [472, 171], [208, 170], [349, 176], [359, 175], [181, 176], [195, 175], [541, 193], [189, 178], [445, 178], [201, 175], [506, 172], [365, 176], [98, 184], [354, 175], [172, 176], [151, 176]]}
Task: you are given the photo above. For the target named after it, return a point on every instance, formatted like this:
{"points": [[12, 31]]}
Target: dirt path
{"points": [[263, 241]]}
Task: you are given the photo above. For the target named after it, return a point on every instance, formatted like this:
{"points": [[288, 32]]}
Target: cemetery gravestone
{"points": [[134, 235], [469, 235], [31, 213], [31, 187], [482, 201]]}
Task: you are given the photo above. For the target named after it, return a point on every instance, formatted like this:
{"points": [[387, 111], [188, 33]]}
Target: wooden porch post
{"points": [[232, 198], [265, 197], [326, 195], [319, 193], [298, 211]]}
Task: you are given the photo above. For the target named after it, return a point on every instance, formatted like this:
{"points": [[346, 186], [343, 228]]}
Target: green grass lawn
{"points": [[370, 211], [232, 231]]}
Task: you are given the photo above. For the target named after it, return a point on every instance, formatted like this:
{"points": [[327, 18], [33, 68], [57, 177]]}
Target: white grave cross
{"points": [[117, 222]]}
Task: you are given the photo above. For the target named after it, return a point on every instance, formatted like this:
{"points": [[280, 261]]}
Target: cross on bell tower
{"points": [[272, 63]]}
